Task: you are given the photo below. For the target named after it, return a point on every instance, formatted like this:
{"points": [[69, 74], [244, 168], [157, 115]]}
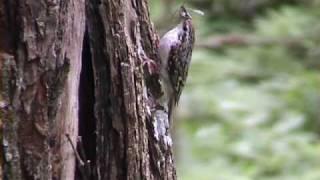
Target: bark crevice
{"points": [[87, 121]]}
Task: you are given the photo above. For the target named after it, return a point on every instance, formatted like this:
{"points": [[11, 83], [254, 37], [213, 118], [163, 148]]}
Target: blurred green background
{"points": [[250, 109]]}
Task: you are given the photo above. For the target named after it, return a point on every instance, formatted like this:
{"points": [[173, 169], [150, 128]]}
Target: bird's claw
{"points": [[151, 66]]}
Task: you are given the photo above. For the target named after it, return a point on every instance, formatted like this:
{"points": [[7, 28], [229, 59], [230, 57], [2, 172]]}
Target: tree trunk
{"points": [[129, 142], [41, 46], [111, 105]]}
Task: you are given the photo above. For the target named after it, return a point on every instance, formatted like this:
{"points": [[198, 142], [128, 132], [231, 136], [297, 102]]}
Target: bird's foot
{"points": [[151, 66]]}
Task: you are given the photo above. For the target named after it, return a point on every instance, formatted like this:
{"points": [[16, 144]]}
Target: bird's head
{"points": [[184, 14]]}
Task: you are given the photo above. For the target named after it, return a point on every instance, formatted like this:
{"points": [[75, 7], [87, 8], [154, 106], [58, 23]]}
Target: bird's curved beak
{"points": [[184, 13]]}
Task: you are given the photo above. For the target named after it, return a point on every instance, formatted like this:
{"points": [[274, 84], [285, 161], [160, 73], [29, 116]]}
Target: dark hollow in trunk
{"points": [[87, 121]]}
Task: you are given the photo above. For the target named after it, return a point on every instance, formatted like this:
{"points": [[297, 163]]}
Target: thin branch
{"points": [[223, 41], [81, 166]]}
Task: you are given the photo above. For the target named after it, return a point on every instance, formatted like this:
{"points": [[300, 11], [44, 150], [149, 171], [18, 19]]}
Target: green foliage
{"points": [[289, 22], [252, 113]]}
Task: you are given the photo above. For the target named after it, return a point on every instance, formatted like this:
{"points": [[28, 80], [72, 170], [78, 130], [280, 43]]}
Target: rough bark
{"points": [[133, 140], [40, 61]]}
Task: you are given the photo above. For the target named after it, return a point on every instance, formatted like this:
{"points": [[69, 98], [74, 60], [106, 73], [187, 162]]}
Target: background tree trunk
{"points": [[41, 43], [41, 51]]}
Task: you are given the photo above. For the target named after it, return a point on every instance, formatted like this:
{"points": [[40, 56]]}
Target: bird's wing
{"points": [[179, 60]]}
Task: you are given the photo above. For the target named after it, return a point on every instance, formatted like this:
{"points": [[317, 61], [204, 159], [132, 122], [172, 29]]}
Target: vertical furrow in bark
{"points": [[102, 81], [9, 152], [87, 121]]}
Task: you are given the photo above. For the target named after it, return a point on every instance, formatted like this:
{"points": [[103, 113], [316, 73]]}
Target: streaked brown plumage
{"points": [[175, 51]]}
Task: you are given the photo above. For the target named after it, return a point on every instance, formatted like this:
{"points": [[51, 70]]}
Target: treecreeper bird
{"points": [[175, 51]]}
